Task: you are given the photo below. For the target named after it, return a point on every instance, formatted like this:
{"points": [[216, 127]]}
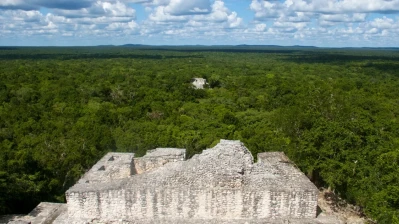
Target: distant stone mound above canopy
{"points": [[199, 83]]}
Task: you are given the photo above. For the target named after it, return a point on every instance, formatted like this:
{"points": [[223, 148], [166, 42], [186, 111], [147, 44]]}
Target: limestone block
{"points": [[111, 167], [157, 158]]}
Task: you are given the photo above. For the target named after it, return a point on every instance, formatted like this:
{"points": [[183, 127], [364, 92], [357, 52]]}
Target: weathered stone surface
{"points": [[111, 167], [209, 221], [13, 219], [157, 158], [222, 183], [44, 213]]}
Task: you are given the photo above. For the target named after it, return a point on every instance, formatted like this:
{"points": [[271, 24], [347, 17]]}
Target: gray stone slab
{"points": [[112, 166], [44, 213]]}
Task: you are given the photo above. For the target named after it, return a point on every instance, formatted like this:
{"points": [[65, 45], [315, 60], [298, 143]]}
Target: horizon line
{"points": [[194, 45]]}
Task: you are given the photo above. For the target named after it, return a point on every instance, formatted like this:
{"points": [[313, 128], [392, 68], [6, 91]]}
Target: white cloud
{"points": [[357, 17], [384, 23], [218, 23], [98, 9], [160, 15], [260, 27], [267, 9], [219, 15], [129, 28], [11, 3], [184, 7], [37, 4], [26, 23], [325, 19], [345, 6], [95, 21]]}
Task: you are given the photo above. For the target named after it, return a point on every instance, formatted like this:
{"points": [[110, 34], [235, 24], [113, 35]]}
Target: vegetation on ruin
{"points": [[334, 112]]}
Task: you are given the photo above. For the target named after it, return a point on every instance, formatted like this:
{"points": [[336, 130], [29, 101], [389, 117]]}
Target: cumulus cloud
{"points": [[184, 7], [218, 14], [384, 23], [356, 17], [95, 20], [27, 23], [327, 20], [98, 9], [36, 4], [17, 4], [267, 9], [345, 20], [159, 14], [325, 10], [62, 4], [218, 23], [347, 6]]}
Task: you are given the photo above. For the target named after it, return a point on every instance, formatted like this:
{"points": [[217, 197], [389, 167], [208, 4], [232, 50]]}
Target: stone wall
{"points": [[112, 205]]}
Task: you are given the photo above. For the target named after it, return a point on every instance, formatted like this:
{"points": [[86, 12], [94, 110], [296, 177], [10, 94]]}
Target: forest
{"points": [[334, 112]]}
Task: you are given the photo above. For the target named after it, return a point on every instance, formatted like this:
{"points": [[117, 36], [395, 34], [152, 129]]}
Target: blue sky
{"points": [[323, 23]]}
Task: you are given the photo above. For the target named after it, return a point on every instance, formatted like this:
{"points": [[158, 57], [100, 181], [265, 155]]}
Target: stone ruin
{"points": [[199, 83], [221, 185]]}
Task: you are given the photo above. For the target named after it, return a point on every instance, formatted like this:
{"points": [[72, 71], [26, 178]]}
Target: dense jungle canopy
{"points": [[334, 112]]}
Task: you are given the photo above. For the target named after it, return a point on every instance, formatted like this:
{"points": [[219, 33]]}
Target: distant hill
{"points": [[246, 46], [274, 46], [134, 45]]}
